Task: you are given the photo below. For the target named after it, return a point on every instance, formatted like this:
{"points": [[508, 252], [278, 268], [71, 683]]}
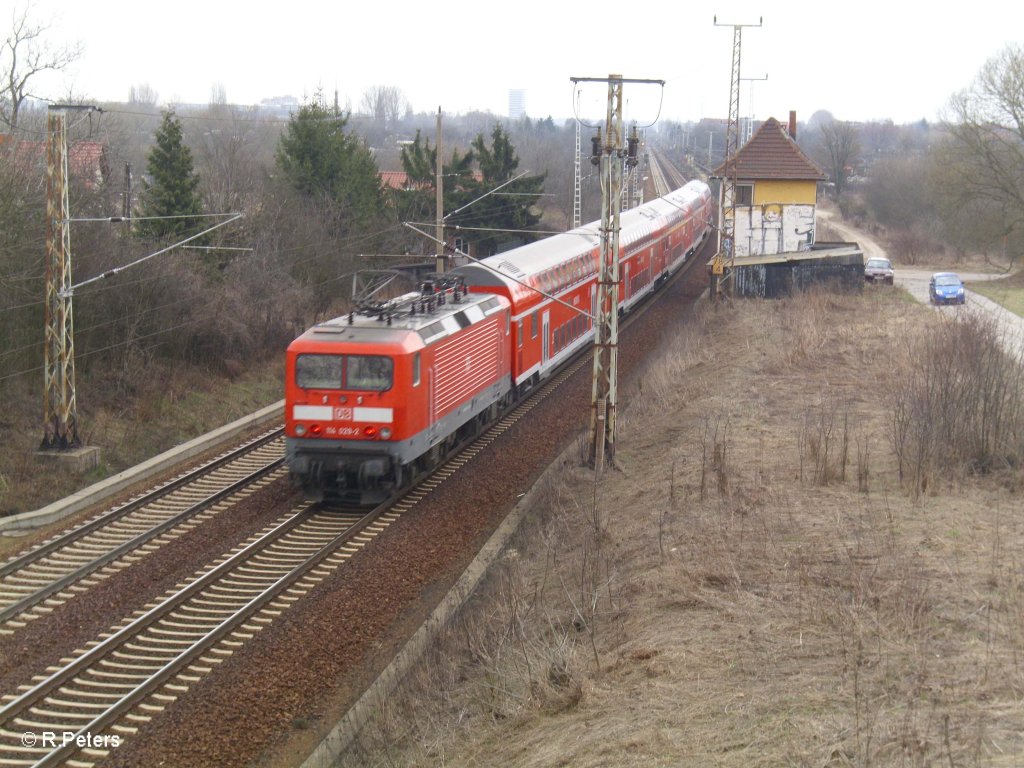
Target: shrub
{"points": [[959, 404]]}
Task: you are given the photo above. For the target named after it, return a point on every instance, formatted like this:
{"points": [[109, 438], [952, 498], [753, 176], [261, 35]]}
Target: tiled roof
{"points": [[400, 180], [771, 154], [86, 159], [395, 180]]}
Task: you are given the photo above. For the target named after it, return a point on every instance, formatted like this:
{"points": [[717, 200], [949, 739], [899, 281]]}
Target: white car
{"points": [[878, 270]]}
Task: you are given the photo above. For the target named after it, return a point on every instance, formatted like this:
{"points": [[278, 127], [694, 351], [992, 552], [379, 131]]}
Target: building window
{"points": [[745, 194]]}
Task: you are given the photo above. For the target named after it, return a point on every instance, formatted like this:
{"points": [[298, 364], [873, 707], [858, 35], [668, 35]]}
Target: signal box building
{"points": [[776, 251], [776, 192]]}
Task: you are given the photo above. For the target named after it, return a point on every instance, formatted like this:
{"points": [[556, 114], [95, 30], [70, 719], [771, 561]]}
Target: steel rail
{"points": [[19, 562], [81, 664], [34, 598]]}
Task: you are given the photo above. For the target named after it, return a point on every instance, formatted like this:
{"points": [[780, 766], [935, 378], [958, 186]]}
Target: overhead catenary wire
{"points": [[350, 242], [508, 276], [116, 270]]}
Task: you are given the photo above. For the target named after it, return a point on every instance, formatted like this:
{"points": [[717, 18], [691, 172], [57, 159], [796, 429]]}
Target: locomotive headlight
{"points": [[385, 433], [300, 429]]}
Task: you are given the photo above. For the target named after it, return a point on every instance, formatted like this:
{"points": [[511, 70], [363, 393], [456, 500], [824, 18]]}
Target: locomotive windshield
{"points": [[368, 372], [318, 371]]}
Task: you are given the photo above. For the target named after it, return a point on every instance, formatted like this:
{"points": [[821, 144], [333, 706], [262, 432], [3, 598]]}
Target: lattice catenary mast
{"points": [[577, 195], [60, 409], [721, 266], [610, 154]]}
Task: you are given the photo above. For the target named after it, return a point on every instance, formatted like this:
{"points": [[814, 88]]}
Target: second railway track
{"points": [[116, 683], [38, 580], [103, 692]]}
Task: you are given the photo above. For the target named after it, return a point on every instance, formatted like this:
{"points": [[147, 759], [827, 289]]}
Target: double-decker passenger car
{"points": [[372, 396], [552, 284]]}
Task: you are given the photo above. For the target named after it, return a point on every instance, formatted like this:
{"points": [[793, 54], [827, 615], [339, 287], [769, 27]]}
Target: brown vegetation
{"points": [[756, 586]]}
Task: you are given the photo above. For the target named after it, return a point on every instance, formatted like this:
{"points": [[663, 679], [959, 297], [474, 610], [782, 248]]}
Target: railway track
{"points": [[661, 187], [100, 694], [664, 174], [52, 573]]}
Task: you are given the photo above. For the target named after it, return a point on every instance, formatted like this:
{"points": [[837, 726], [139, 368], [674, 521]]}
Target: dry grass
{"points": [[171, 406], [754, 588]]}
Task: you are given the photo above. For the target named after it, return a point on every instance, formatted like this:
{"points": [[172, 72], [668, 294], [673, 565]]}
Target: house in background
{"points": [[776, 192], [87, 160]]}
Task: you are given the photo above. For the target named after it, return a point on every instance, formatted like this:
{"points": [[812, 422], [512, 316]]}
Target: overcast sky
{"points": [[860, 60]]}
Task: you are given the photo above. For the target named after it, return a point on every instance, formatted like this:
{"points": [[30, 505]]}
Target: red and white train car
{"points": [[654, 241], [369, 397]]}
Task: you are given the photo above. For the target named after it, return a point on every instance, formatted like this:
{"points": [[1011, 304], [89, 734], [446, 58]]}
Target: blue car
{"points": [[946, 288]]}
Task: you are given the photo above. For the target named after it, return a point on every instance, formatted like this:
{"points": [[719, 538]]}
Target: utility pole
{"points": [[610, 154], [722, 264], [126, 195], [439, 200], [60, 409]]}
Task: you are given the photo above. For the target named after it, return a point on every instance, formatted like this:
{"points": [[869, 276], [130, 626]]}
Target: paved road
{"points": [[915, 282]]}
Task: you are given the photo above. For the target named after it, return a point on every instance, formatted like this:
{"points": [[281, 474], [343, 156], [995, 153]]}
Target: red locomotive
{"points": [[372, 396]]}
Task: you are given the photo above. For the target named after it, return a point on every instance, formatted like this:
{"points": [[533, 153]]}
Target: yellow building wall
{"points": [[785, 192]]}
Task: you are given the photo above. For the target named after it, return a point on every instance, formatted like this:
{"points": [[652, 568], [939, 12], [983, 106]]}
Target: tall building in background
{"points": [[516, 103]]}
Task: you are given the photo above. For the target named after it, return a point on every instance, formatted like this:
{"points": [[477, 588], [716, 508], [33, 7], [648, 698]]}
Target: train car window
{"points": [[318, 371], [520, 335], [416, 369], [533, 325], [372, 372], [462, 319]]}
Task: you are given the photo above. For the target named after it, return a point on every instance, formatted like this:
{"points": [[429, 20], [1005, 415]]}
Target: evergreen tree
{"points": [[321, 160], [419, 202], [173, 186], [513, 207]]}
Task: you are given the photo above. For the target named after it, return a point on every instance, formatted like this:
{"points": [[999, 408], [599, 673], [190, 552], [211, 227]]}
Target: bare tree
{"points": [[143, 94], [26, 54], [232, 148], [898, 192], [839, 149], [218, 94], [985, 154], [385, 103]]}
